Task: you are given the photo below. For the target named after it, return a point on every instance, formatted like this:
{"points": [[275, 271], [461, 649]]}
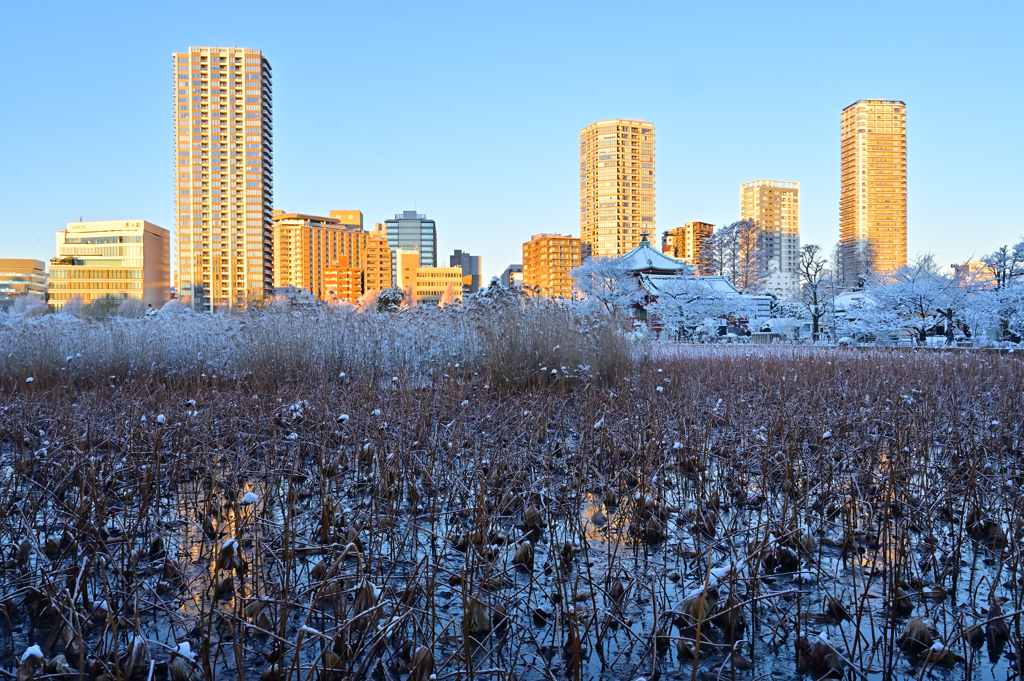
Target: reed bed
{"points": [[525, 494]]}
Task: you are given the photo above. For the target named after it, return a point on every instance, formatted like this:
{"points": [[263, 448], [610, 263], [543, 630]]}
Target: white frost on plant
{"points": [[32, 652], [249, 499], [185, 650]]}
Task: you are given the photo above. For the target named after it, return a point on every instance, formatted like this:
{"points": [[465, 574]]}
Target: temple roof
{"points": [[645, 258]]}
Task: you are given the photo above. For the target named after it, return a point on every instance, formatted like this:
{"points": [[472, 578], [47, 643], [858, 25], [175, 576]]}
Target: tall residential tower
{"points": [[223, 182], [775, 206], [616, 185], [873, 202]]}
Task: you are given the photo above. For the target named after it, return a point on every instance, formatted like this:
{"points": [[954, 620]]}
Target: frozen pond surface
{"points": [[845, 513]]}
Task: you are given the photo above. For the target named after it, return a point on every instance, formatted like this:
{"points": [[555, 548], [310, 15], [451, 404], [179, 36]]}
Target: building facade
{"points": [[512, 276], [548, 260], [686, 243], [307, 246], [426, 284], [342, 283], [616, 185], [774, 205], [412, 231], [470, 265], [223, 182], [873, 200], [22, 277], [111, 260]]}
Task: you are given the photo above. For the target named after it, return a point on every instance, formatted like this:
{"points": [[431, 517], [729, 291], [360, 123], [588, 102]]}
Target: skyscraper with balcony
{"points": [[616, 185], [412, 231], [775, 206], [873, 201], [223, 175], [548, 262], [686, 243]]}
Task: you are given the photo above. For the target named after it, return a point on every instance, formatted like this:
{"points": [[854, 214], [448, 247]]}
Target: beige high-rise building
{"points": [[616, 185], [775, 206], [306, 246], [873, 202], [111, 260], [548, 261], [686, 243], [223, 189]]}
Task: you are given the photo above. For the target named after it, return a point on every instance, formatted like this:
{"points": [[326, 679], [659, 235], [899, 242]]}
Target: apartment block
{"points": [[223, 175], [470, 265], [306, 246], [616, 185], [376, 262], [873, 198], [342, 282], [686, 243], [111, 260], [426, 284], [21, 277], [775, 206], [412, 231], [548, 260]]}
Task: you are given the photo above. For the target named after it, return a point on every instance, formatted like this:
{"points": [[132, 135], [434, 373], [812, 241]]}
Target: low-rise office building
{"points": [[111, 260], [21, 277], [426, 284]]}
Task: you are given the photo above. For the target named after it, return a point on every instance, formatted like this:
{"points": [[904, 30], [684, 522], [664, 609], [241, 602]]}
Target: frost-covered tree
{"points": [[914, 298], [390, 299], [606, 282], [814, 281], [737, 251], [1005, 264]]}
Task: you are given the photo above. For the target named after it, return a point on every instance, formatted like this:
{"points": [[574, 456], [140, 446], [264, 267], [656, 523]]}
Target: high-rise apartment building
{"points": [[376, 262], [223, 183], [22, 277], [548, 260], [470, 265], [873, 202], [111, 260], [342, 282], [307, 246], [686, 243], [412, 231], [616, 185], [774, 205]]}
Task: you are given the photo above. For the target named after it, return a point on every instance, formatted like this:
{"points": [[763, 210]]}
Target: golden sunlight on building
{"points": [[616, 185], [873, 201]]}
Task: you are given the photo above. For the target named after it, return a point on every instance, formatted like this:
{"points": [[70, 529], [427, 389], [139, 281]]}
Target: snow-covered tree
{"points": [[814, 282], [737, 251], [914, 298], [390, 299], [1005, 264], [606, 282]]}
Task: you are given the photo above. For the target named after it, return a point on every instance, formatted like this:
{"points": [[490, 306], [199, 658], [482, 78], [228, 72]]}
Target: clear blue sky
{"points": [[471, 112]]}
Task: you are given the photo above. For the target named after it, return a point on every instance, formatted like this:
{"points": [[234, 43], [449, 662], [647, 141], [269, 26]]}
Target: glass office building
{"points": [[412, 231]]}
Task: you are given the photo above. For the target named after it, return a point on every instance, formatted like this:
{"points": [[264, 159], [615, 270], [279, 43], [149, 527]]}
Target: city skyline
{"points": [[709, 139]]}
